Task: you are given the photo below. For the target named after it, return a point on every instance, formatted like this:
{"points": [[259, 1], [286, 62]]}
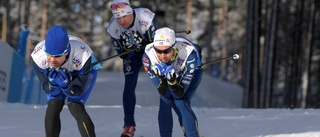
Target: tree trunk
{"points": [[247, 59], [267, 34], [271, 58], [189, 19], [44, 20], [256, 49], [306, 72], [293, 86]]}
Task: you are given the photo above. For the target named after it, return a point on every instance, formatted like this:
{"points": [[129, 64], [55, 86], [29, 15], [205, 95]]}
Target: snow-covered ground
{"points": [[19, 120], [217, 106]]}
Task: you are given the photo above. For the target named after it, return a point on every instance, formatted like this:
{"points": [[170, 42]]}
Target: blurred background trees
{"points": [[277, 40], [281, 54]]}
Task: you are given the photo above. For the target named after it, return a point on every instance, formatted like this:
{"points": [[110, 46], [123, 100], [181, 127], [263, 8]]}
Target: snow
{"points": [[104, 107], [27, 120]]}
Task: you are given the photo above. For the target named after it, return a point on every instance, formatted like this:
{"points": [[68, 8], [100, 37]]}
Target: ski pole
{"points": [[235, 57], [111, 57], [183, 31]]}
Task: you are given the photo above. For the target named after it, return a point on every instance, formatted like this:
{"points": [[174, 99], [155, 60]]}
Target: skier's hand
{"points": [[64, 82], [52, 76], [163, 86], [159, 69], [170, 74], [64, 78]]}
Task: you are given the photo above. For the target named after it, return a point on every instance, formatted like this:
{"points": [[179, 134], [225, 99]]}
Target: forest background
{"points": [[277, 40]]}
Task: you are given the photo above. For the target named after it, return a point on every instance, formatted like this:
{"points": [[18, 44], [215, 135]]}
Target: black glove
{"points": [[170, 74], [173, 84], [163, 86]]}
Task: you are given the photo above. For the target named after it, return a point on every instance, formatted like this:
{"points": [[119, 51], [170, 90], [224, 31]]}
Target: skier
{"points": [[172, 64], [130, 29], [63, 65]]}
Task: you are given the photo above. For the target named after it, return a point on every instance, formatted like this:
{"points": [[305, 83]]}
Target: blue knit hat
{"points": [[57, 41]]}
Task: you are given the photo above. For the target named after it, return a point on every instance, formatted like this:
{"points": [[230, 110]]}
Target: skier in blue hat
{"points": [[63, 64]]}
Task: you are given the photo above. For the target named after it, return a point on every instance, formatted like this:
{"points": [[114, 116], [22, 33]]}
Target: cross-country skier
{"points": [[63, 65], [172, 64], [130, 29]]}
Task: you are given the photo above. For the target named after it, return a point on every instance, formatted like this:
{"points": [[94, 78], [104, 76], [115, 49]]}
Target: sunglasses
{"points": [[119, 5], [166, 51]]}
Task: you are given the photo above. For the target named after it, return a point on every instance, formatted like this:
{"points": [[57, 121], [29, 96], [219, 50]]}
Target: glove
{"points": [[173, 84], [163, 86], [52, 76], [64, 79], [170, 74], [53, 86], [129, 39], [159, 69]]}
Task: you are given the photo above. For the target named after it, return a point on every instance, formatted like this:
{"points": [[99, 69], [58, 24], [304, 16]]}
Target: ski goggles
{"points": [[166, 51], [119, 6]]}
